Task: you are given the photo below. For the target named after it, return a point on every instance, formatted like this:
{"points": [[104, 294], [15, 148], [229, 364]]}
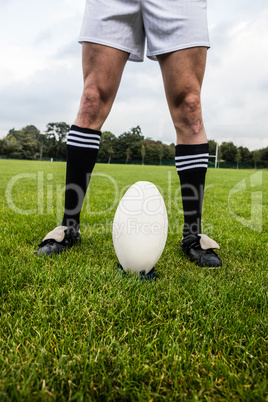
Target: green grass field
{"points": [[72, 328]]}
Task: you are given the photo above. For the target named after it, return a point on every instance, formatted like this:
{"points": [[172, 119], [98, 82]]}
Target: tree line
{"points": [[30, 143], [229, 155], [129, 147]]}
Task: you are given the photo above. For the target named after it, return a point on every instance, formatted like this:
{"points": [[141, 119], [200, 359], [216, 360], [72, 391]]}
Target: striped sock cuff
{"points": [[191, 157], [83, 138]]}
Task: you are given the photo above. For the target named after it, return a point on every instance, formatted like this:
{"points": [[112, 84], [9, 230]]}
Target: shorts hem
{"points": [[153, 55], [133, 56]]}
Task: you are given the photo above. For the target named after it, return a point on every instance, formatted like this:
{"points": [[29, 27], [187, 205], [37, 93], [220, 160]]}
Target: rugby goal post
{"points": [[216, 155]]}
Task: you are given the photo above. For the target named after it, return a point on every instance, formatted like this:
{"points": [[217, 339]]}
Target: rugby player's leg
{"points": [[183, 73], [102, 70]]}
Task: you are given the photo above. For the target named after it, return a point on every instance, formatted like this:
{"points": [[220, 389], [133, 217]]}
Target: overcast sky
{"points": [[41, 78]]}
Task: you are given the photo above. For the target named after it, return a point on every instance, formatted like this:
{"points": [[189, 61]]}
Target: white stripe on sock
{"points": [[190, 162]]}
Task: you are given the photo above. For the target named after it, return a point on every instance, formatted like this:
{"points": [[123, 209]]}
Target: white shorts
{"points": [[167, 25]]}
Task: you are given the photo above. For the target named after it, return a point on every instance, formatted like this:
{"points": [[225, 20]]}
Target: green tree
{"points": [[238, 158], [30, 136], [171, 151], [160, 152], [131, 139], [152, 152], [256, 158], [110, 152], [260, 156], [10, 143], [246, 155], [143, 152], [56, 134], [128, 155], [228, 151], [51, 143], [41, 145], [264, 154], [21, 144], [107, 146], [212, 145], [2, 147]]}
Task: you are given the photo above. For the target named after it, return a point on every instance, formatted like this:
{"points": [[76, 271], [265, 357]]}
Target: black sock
{"points": [[82, 151], [191, 165]]}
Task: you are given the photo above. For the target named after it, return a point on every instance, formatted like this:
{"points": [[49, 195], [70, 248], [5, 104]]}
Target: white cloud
{"points": [[235, 95]]}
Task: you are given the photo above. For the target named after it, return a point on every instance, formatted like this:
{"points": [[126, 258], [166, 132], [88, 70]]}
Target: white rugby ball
{"points": [[140, 227]]}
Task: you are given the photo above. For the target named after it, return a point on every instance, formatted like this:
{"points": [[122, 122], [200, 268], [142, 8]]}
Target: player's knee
{"points": [[191, 104], [91, 100], [190, 113], [90, 106]]}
